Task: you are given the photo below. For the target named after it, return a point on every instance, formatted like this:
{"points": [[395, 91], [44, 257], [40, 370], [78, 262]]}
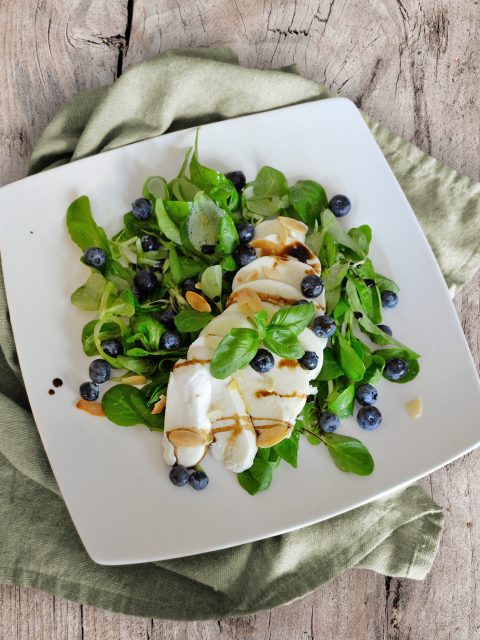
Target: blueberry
{"points": [[328, 421], [262, 361], [95, 257], [369, 418], [324, 326], [89, 391], [358, 315], [389, 299], [208, 249], [339, 206], [145, 281], [142, 208], [385, 328], [246, 231], [149, 243], [369, 282], [170, 340], [112, 347], [167, 317], [366, 394], [189, 285], [299, 251], [310, 398], [244, 254], [309, 360], [237, 178], [140, 295], [395, 369], [302, 301], [198, 480], [179, 475], [99, 371], [311, 286]]}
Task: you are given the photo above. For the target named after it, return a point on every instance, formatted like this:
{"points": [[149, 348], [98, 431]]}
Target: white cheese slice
{"points": [[274, 226], [287, 270], [280, 294]]}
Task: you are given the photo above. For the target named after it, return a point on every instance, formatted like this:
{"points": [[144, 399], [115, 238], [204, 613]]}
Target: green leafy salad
{"points": [[236, 317]]}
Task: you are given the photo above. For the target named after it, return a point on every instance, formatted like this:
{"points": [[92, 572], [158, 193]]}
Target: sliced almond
{"points": [[186, 438], [134, 380], [272, 274], [295, 225], [414, 408], [248, 301], [267, 247], [94, 408], [271, 437], [159, 406], [197, 302]]}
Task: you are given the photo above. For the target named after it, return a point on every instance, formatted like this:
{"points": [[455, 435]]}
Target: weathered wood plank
{"points": [[412, 65]]}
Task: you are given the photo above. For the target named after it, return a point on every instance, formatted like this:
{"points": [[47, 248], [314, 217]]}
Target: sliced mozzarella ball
{"points": [[203, 347], [287, 270], [280, 294], [222, 324], [188, 400], [237, 449], [274, 226]]}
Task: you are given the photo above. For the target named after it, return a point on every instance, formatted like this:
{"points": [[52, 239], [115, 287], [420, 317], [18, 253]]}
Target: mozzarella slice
{"points": [[279, 294], [287, 270], [274, 226]]}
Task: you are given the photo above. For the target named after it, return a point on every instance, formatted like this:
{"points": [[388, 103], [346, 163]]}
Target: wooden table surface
{"points": [[413, 65]]}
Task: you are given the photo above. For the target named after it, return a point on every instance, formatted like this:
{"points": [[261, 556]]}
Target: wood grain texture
{"points": [[413, 65]]}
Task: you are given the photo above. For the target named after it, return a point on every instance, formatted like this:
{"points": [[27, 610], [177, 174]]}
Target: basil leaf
{"points": [[269, 182], [126, 406], [258, 477], [309, 199], [83, 229], [350, 362], [334, 275], [166, 226], [261, 318], [342, 405], [211, 281], [331, 370], [89, 296], [234, 352], [295, 318], [288, 449], [349, 454], [338, 233], [283, 342], [188, 320]]}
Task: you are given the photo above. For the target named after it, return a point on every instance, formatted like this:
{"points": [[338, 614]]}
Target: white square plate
{"points": [[113, 479]]}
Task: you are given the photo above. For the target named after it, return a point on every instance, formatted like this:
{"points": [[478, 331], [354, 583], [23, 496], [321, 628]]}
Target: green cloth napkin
{"points": [[397, 536]]}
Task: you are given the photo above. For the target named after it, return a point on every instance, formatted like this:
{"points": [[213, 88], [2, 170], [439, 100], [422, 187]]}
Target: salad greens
{"points": [[192, 241]]}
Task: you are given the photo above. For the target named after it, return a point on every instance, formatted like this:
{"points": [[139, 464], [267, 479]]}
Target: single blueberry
{"points": [[189, 285], [395, 369], [328, 421], [246, 231], [198, 480], [179, 475], [340, 205], [369, 418], [142, 208], [99, 371], [208, 249], [89, 391], [310, 398], [389, 299], [145, 281], [149, 243], [358, 315], [309, 360], [311, 286], [262, 361], [366, 394], [170, 340], [385, 328], [112, 347], [237, 178], [95, 257], [324, 326], [167, 317], [244, 254]]}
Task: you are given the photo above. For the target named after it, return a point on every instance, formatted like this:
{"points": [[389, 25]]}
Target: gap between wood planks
{"points": [[122, 52]]}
